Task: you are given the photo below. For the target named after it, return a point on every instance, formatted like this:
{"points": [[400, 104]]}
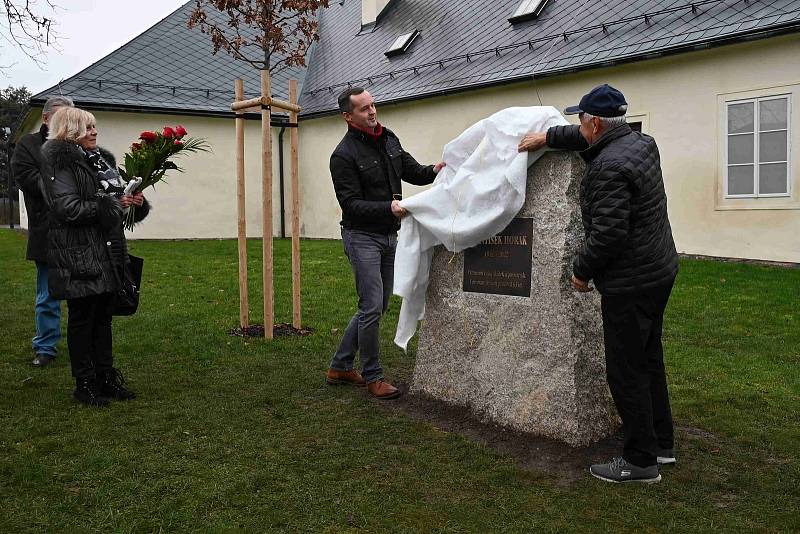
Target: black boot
{"points": [[87, 392], [112, 385]]}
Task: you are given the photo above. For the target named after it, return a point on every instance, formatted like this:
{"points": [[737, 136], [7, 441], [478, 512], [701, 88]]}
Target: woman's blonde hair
{"points": [[69, 124]]}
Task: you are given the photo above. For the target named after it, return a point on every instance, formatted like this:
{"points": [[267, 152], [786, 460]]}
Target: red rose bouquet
{"points": [[150, 158]]}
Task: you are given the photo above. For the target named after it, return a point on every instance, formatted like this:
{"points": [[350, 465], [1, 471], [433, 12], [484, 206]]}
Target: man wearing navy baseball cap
{"points": [[630, 255], [602, 101]]}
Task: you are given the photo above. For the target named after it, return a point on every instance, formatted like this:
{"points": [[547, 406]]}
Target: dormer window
{"points": [[527, 10], [401, 44]]}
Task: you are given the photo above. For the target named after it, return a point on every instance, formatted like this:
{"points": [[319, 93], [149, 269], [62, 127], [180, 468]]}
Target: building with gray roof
{"points": [[690, 70]]}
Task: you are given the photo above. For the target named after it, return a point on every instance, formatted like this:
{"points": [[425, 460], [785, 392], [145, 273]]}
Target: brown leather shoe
{"points": [[383, 390], [351, 377], [43, 360]]}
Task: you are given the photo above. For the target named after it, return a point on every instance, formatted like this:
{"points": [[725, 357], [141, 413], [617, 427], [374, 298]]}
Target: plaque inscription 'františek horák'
{"points": [[501, 265]]}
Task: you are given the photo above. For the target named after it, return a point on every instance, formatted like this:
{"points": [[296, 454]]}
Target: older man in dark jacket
{"points": [[630, 255], [26, 166], [367, 169]]}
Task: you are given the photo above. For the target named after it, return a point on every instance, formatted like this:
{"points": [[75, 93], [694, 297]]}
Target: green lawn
{"points": [[229, 434]]}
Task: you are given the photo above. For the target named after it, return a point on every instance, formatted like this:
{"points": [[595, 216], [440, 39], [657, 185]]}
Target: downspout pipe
{"points": [[280, 172], [10, 199]]}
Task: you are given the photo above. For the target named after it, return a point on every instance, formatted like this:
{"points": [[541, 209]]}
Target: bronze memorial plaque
{"points": [[501, 265]]}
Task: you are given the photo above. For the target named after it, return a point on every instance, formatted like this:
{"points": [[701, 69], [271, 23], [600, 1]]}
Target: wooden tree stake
{"points": [[293, 136], [244, 306], [266, 201]]}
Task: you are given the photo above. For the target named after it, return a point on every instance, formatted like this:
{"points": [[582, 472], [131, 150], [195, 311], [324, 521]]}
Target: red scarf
{"points": [[374, 134]]}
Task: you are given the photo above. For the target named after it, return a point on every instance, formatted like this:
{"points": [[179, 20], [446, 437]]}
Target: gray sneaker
{"points": [[618, 470], [666, 456]]}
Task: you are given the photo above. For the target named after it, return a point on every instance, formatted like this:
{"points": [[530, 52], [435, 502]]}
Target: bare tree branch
{"points": [[28, 25]]}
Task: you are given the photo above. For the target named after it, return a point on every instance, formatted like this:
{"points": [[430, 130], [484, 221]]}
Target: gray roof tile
{"points": [[453, 29], [181, 76], [190, 78]]}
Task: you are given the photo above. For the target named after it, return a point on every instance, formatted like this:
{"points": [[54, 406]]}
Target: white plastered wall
{"points": [[200, 202], [678, 100]]}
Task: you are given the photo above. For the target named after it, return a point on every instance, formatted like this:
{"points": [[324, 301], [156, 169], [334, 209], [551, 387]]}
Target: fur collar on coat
{"points": [[62, 154]]}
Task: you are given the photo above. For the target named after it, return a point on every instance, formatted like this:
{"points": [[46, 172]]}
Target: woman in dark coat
{"points": [[86, 250]]}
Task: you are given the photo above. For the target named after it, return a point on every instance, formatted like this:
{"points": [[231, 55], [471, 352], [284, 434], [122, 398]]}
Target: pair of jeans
{"points": [[372, 260], [632, 327], [48, 316], [89, 335]]}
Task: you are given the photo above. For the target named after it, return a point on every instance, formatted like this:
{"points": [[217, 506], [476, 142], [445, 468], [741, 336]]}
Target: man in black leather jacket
{"points": [[26, 166], [367, 169], [630, 255]]}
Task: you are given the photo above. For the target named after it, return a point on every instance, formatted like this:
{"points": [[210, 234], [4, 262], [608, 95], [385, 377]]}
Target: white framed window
{"points": [[758, 147]]}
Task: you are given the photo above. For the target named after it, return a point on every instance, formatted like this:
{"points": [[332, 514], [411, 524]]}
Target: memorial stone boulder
{"points": [[506, 335]]}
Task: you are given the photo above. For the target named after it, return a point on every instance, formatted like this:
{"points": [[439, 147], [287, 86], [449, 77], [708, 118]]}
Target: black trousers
{"points": [[632, 326], [89, 335]]}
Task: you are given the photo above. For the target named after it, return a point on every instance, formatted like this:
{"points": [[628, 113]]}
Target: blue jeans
{"points": [[372, 260], [48, 316]]}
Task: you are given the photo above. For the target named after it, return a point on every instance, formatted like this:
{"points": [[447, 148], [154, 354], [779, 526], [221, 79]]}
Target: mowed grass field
{"points": [[243, 435]]}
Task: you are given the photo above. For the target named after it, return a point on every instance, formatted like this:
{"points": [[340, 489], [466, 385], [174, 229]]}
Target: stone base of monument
{"points": [[507, 336]]}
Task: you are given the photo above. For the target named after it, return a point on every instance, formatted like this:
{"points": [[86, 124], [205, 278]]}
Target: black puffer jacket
{"points": [[366, 176], [26, 166], [83, 223], [629, 245]]}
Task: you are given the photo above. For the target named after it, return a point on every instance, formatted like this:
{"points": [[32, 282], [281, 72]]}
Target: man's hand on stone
{"points": [[439, 166], [581, 285], [533, 142], [398, 210]]}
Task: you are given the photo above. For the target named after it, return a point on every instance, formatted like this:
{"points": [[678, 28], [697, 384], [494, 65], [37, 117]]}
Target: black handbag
{"points": [[126, 299]]}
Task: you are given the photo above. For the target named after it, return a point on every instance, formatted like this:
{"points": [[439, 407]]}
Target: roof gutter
{"points": [[277, 118], [741, 38]]}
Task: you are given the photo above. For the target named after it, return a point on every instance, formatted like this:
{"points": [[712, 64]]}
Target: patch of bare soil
{"points": [[280, 329], [555, 459]]}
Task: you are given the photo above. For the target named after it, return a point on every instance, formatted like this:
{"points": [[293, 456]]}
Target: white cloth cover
{"points": [[474, 197]]}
